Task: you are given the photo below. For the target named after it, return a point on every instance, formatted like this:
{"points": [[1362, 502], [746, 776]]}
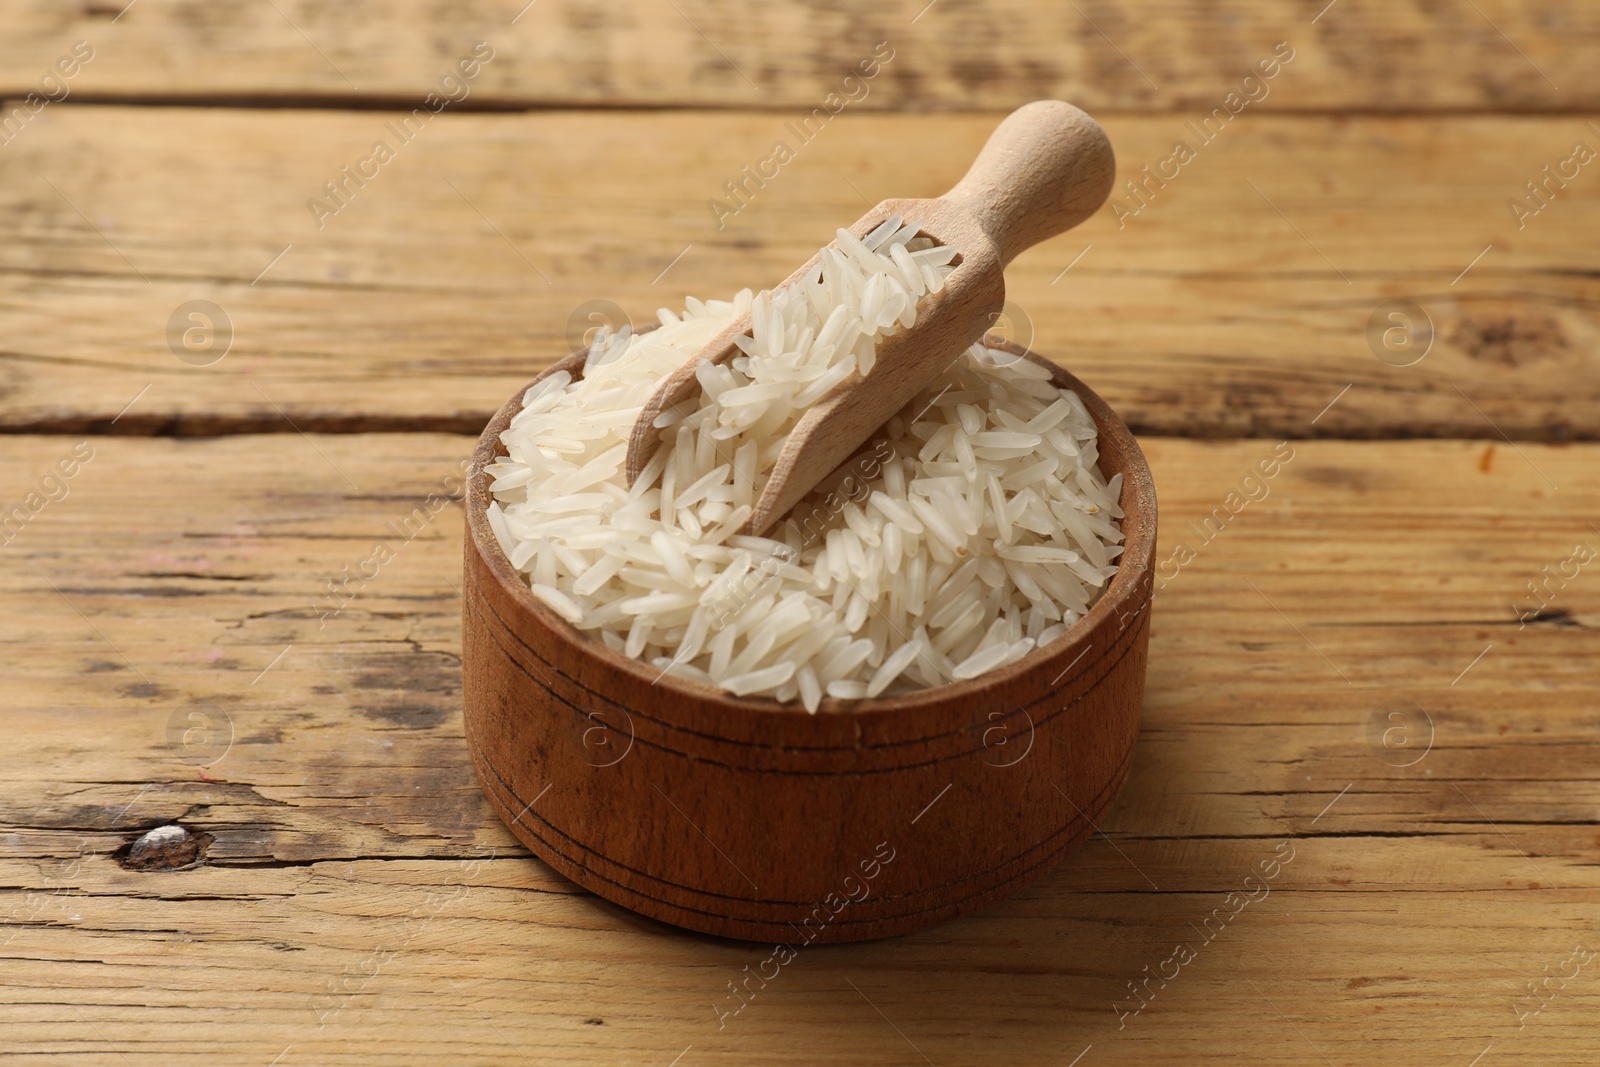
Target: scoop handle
{"points": [[1046, 168]]}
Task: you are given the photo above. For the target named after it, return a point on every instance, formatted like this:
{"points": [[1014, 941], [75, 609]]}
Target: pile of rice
{"points": [[977, 528]]}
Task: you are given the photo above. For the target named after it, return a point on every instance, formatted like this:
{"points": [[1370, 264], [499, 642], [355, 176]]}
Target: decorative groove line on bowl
{"points": [[1074, 826], [792, 795], [1126, 642]]}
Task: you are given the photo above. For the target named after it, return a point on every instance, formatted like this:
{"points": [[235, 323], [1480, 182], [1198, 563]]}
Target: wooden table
{"points": [[1384, 667]]}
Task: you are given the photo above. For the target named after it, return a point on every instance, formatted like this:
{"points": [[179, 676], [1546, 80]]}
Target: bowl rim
{"points": [[1127, 586]]}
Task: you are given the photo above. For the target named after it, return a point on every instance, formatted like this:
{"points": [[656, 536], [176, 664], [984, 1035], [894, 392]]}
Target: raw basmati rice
{"points": [[975, 530]]}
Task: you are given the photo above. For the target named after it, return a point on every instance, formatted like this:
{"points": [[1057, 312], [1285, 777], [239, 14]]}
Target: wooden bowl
{"points": [[751, 819]]}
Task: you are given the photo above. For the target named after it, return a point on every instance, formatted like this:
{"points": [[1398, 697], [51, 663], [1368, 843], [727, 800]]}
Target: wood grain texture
{"points": [[1220, 309], [825, 807], [1406, 55], [360, 903]]}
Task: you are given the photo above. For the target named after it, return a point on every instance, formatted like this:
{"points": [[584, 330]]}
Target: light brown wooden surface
{"points": [[457, 271], [1380, 55], [346, 820], [358, 903]]}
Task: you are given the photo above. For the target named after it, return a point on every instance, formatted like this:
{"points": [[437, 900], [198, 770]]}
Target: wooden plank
{"points": [[359, 905], [947, 55], [1236, 302]]}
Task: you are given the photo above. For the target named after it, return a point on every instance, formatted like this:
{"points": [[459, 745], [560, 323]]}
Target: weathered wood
{"points": [[1207, 314], [359, 903], [946, 54], [339, 913]]}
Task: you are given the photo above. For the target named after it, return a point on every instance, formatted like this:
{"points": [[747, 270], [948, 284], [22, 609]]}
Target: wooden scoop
{"points": [[1046, 168]]}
